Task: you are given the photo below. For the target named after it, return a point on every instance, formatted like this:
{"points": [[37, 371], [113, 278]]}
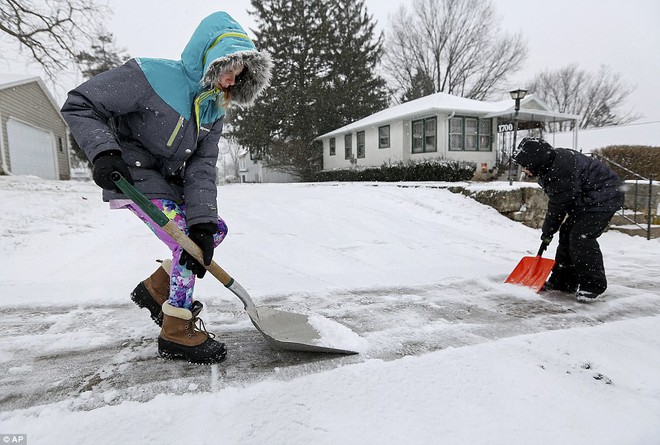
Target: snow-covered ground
{"points": [[449, 353]]}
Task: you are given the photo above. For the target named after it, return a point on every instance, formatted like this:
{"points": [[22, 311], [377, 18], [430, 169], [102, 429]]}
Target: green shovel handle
{"points": [[139, 199], [171, 229]]}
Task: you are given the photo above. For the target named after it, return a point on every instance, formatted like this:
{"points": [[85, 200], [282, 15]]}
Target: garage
{"points": [[31, 150], [33, 133]]}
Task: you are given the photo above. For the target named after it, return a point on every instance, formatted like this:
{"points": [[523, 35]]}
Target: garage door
{"points": [[31, 150]]}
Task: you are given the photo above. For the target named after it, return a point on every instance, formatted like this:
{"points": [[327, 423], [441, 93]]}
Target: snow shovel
{"points": [[284, 330], [532, 271]]}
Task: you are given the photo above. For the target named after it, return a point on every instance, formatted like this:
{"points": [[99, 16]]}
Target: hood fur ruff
{"points": [[251, 83]]}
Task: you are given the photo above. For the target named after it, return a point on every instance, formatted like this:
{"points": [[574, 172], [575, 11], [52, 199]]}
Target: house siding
{"points": [[29, 104], [374, 156], [253, 171], [400, 148]]}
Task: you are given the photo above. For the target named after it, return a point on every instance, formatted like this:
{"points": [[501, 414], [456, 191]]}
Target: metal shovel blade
{"points": [[285, 330], [531, 272], [290, 331]]}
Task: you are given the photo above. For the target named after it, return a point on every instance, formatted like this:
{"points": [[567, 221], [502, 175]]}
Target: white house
{"points": [[252, 170], [436, 126]]}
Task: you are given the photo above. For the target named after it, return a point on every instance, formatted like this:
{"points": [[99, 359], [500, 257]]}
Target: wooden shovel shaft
{"points": [[194, 250]]}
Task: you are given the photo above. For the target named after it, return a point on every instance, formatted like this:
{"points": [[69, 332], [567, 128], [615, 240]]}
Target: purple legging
{"points": [[182, 280]]}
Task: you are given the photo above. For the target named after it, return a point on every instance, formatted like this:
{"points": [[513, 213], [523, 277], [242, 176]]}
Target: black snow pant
{"points": [[579, 261]]}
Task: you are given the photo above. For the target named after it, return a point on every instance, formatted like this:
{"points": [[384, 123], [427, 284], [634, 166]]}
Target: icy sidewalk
{"points": [[563, 386], [93, 356]]}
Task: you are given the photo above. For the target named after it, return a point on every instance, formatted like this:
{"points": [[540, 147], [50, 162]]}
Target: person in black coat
{"points": [[583, 195]]}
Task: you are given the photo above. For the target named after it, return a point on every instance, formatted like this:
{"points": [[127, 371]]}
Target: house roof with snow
{"points": [[11, 80], [531, 109], [8, 80]]}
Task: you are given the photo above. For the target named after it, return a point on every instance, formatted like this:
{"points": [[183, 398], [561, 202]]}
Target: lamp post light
{"points": [[516, 95]]}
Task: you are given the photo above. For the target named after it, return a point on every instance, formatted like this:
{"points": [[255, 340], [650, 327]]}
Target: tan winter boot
{"points": [[154, 291], [182, 338]]}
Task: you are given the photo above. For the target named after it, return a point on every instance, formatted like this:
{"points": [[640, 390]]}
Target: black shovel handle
{"points": [[543, 248]]}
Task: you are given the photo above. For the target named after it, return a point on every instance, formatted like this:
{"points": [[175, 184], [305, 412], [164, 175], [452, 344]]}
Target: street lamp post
{"points": [[516, 95]]}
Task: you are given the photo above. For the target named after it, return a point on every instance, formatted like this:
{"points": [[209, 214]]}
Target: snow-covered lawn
{"points": [[450, 354]]}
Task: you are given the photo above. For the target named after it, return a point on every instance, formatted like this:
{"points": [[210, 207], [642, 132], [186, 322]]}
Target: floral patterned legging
{"points": [[182, 280]]}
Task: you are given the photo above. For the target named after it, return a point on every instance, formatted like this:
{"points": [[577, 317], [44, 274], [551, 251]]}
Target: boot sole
{"points": [[173, 351], [173, 357], [141, 297], [587, 299]]}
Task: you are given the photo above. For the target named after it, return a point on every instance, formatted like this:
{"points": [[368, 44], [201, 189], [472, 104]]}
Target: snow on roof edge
{"points": [[443, 102], [8, 80]]}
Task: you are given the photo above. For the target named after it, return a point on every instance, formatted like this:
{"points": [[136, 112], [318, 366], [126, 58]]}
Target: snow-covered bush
{"points": [[428, 170]]}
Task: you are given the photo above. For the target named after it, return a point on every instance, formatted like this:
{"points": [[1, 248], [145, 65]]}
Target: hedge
{"points": [[430, 170], [641, 159]]}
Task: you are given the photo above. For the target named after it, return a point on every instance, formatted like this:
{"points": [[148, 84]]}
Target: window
{"points": [[333, 147], [424, 137], [360, 144], [384, 137], [60, 144], [485, 134], [470, 134], [456, 133], [430, 138], [348, 146]]}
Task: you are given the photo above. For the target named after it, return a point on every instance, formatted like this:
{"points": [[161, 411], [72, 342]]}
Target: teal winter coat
{"points": [[165, 115]]}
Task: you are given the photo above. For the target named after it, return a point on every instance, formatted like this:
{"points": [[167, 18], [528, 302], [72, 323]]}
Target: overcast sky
{"points": [[625, 35]]}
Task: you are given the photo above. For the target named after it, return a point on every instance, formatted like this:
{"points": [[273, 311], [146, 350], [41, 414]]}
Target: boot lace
{"points": [[197, 325]]}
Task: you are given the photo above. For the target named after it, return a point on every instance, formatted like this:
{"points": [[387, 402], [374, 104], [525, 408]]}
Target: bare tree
{"points": [[230, 151], [596, 97], [53, 32], [456, 43]]}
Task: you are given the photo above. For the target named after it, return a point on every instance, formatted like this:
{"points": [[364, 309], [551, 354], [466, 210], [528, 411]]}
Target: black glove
{"points": [[105, 164], [202, 235], [545, 242], [546, 239]]}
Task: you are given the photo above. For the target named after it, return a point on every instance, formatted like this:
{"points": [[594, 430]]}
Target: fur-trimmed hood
{"points": [[254, 78], [220, 43], [217, 43]]}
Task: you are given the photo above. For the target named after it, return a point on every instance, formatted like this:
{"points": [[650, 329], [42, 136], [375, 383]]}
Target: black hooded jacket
{"points": [[578, 183]]}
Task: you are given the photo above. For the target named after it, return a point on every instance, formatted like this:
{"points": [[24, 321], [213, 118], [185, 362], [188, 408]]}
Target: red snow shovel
{"points": [[285, 330], [532, 271]]}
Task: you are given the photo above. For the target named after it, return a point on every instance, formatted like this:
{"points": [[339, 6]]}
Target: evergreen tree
{"points": [[421, 85], [324, 53], [352, 90], [102, 57]]}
